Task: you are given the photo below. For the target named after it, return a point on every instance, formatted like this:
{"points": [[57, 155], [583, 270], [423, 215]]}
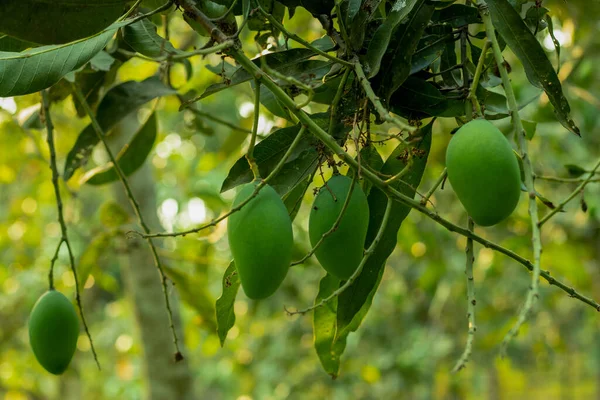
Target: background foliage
{"points": [[415, 329]]}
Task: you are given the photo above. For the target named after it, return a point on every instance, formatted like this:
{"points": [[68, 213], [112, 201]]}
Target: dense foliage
{"points": [[151, 116]]}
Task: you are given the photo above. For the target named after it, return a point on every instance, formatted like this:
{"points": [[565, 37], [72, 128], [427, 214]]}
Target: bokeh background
{"points": [[416, 328]]}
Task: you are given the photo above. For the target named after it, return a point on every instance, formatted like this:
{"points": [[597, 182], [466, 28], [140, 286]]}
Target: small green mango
{"points": [[484, 172], [53, 331], [342, 250], [261, 239]]}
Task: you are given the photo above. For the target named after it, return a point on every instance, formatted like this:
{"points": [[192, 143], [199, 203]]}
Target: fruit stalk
{"points": [[350, 281], [61, 220], [250, 153], [533, 293], [138, 213]]}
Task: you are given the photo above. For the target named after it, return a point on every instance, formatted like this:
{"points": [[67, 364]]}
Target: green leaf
{"points": [[353, 9], [280, 61], [57, 21], [371, 157], [269, 152], [142, 37], [11, 44], [192, 289], [418, 98], [328, 348], [538, 68], [432, 49], [130, 159], [381, 39], [405, 40], [354, 303], [224, 306], [112, 215], [118, 102], [530, 128], [575, 171], [457, 15], [293, 199], [41, 67]]}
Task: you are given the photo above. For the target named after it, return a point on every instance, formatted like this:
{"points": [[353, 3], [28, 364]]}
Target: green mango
{"points": [[484, 172], [342, 250], [53, 331], [261, 240]]}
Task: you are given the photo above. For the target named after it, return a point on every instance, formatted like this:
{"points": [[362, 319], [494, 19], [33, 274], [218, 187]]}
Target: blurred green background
{"points": [[416, 328]]}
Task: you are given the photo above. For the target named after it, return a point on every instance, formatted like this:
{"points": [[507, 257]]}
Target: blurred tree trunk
{"points": [[164, 378]]}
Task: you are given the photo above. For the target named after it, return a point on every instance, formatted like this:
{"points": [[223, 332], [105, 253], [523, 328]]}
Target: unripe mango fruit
{"points": [[53, 331], [341, 251], [484, 172], [261, 239]]}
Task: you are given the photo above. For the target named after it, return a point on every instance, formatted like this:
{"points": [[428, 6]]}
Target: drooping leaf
{"points": [[368, 156], [38, 68], [418, 98], [269, 152], [381, 39], [224, 305], [141, 36], [293, 199], [354, 303], [430, 49], [130, 159], [538, 68], [58, 21], [353, 9], [405, 40], [118, 102], [324, 328]]}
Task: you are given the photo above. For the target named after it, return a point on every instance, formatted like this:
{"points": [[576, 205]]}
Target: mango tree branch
{"points": [[533, 293], [61, 220], [473, 90], [330, 142], [471, 302], [138, 213], [575, 192], [383, 113], [350, 281]]}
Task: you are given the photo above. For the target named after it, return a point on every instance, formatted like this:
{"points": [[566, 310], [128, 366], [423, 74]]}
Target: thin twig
{"points": [[298, 39], [215, 221], [436, 184], [180, 56], [383, 113], [250, 154], [564, 180], [138, 213], [533, 292], [61, 220], [570, 197], [476, 77], [471, 302], [356, 273]]}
